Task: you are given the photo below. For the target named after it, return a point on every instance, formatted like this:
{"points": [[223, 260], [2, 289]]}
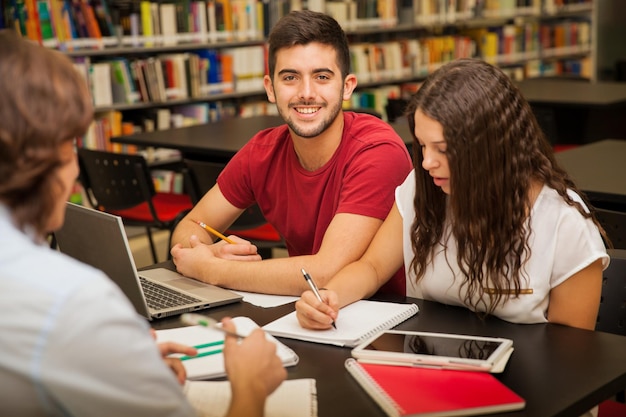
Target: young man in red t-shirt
{"points": [[325, 180]]}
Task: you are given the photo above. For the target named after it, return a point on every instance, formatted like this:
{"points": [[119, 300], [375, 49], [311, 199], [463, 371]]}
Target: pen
{"points": [[202, 354], [309, 280], [198, 319], [214, 232]]}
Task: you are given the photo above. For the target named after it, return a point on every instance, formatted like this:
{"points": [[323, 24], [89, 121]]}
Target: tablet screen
{"points": [[433, 345]]}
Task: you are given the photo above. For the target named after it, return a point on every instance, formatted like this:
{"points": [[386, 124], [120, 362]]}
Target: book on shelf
{"points": [[212, 365], [93, 29], [60, 26], [356, 322], [79, 19], [190, 114], [248, 67], [45, 20], [145, 13], [100, 82], [122, 82], [32, 24], [418, 391], [175, 75], [168, 21], [105, 125], [166, 180], [103, 17], [161, 117]]}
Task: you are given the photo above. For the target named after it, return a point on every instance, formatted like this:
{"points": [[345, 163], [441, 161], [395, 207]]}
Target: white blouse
{"points": [[562, 243]]}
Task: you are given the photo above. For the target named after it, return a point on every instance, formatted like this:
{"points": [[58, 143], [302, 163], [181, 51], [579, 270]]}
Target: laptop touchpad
{"points": [[163, 275], [174, 279], [186, 284]]}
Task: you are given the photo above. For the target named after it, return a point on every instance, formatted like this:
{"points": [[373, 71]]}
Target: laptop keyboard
{"points": [[159, 296]]}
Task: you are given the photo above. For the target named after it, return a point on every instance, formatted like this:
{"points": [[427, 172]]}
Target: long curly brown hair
{"points": [[495, 150]]}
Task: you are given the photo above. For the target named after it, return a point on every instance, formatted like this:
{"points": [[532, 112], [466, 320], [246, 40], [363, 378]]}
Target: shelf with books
{"points": [[153, 55], [182, 46], [100, 24], [150, 80], [140, 106], [508, 34]]}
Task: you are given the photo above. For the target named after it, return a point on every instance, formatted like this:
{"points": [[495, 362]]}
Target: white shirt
{"points": [[70, 341], [562, 242]]}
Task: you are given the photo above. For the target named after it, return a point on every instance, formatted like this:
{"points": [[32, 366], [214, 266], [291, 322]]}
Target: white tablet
{"points": [[442, 350]]}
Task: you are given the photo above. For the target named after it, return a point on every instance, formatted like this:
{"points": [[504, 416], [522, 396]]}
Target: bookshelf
{"points": [[155, 65]]}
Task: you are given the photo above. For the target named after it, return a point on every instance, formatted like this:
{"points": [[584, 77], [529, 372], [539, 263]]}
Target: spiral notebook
{"points": [[209, 362], [356, 322], [417, 391]]}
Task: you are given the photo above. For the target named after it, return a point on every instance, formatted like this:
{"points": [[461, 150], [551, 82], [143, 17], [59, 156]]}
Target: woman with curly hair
{"points": [[487, 219]]}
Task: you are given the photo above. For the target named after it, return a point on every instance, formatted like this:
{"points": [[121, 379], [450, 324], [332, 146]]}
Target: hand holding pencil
{"points": [[199, 251], [214, 232]]}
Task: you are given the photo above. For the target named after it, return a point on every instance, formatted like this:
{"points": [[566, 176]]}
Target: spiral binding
{"points": [[390, 323], [389, 406]]}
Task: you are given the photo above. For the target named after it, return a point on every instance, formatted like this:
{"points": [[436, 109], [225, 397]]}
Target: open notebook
{"points": [[210, 362], [356, 323]]}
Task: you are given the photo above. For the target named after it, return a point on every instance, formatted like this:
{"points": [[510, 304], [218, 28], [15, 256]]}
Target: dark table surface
{"points": [[599, 169], [558, 370], [217, 140], [573, 92], [220, 140]]}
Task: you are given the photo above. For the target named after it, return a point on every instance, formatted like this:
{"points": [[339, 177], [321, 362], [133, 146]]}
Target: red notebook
{"points": [[415, 391]]}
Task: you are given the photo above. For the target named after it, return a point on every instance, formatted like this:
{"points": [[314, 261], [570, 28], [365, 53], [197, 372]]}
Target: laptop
{"points": [[99, 239]]}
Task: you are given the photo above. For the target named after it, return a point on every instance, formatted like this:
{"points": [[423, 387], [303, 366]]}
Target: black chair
{"points": [[612, 313], [612, 316], [614, 223], [395, 108], [121, 184], [201, 176]]}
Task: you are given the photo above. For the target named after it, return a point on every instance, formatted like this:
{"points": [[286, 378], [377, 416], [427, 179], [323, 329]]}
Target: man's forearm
{"points": [[280, 276], [185, 229]]}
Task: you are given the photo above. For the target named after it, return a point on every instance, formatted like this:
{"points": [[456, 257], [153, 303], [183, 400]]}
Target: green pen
{"points": [[198, 319], [200, 355], [206, 345]]}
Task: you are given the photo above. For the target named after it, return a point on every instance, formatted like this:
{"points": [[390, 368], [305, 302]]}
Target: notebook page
{"points": [[355, 323], [266, 300], [293, 398], [212, 366]]}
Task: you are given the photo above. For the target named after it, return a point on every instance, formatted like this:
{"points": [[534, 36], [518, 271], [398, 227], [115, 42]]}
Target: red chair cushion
{"points": [[610, 408], [563, 147], [167, 206], [264, 232]]}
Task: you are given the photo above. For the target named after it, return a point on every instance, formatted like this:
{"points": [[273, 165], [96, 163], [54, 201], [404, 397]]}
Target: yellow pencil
{"points": [[215, 232]]}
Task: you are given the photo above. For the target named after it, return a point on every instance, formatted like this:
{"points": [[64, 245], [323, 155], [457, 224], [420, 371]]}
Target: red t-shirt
{"points": [[360, 178]]}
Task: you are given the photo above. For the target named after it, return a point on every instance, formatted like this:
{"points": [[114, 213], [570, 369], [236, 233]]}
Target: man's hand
{"points": [[168, 348], [197, 258]]}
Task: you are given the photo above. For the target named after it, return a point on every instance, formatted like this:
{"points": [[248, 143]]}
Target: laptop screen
{"points": [[99, 239]]}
